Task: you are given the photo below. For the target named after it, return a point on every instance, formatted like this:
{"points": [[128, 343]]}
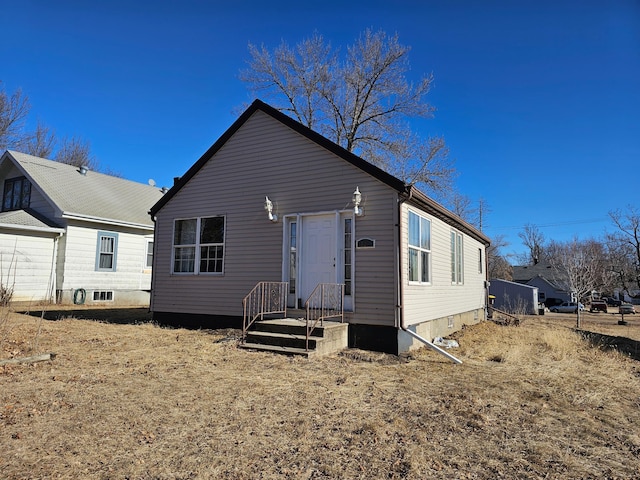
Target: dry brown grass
{"points": [[141, 402]]}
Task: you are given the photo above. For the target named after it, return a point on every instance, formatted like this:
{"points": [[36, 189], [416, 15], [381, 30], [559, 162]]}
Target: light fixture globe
{"points": [[268, 206], [357, 199]]}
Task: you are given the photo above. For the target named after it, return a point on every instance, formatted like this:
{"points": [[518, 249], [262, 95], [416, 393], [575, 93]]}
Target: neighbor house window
{"points": [[106, 251], [456, 258], [17, 194], [419, 248], [198, 245], [149, 257]]}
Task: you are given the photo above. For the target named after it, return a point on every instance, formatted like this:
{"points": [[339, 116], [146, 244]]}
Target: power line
{"points": [[556, 224]]}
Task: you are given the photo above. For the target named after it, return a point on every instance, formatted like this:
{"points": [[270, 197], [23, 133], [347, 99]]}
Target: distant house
{"points": [[72, 235], [405, 261], [513, 297], [551, 286]]}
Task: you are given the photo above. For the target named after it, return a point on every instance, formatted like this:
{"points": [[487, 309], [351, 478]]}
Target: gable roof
{"points": [[526, 273], [93, 196], [410, 193]]}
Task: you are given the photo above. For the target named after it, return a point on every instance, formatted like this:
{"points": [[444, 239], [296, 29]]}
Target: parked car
{"points": [[598, 306], [626, 308], [566, 307], [552, 302], [613, 302]]}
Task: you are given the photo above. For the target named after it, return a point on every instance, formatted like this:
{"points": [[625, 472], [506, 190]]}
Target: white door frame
{"points": [[293, 256]]}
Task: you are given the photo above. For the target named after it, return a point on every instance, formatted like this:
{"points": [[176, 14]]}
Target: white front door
{"points": [[318, 253]]}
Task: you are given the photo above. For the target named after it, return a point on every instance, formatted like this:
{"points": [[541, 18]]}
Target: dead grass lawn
{"points": [[142, 402]]}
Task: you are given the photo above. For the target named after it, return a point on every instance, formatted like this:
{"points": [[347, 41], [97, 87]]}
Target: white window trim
{"points": [[421, 216], [457, 258], [197, 245]]}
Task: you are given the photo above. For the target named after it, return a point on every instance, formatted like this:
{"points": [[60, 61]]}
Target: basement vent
{"points": [[102, 295], [450, 321]]}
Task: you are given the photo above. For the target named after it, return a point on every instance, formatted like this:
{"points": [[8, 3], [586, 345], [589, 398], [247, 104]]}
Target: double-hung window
{"points": [[17, 194], [106, 251], [198, 245], [419, 248], [457, 277], [149, 254]]}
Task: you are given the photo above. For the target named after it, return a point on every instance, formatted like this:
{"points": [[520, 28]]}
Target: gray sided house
{"points": [[514, 297], [550, 284], [404, 260], [70, 235]]}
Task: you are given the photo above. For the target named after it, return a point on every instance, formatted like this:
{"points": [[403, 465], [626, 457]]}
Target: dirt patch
{"points": [[138, 401]]}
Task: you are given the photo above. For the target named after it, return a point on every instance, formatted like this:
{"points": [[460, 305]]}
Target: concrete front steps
{"points": [[288, 336]]}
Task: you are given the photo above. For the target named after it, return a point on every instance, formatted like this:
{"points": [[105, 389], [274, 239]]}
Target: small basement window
{"points": [[103, 295]]}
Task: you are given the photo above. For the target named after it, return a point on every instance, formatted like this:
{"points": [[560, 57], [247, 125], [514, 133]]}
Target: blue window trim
{"points": [[113, 235]]}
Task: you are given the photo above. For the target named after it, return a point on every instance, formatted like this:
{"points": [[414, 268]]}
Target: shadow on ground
{"points": [[624, 345], [124, 315]]}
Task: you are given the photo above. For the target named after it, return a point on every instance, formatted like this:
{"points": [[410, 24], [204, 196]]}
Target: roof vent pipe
{"points": [[83, 170]]}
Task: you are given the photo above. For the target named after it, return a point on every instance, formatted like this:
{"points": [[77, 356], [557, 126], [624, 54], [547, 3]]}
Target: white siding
{"points": [[264, 157], [77, 261], [440, 298], [26, 263]]}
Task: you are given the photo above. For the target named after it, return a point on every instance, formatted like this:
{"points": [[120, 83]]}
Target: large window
{"points": [[17, 194], [456, 258], [419, 248], [198, 245], [106, 251]]}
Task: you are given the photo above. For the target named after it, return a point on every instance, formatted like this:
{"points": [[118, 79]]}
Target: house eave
{"points": [[106, 221], [419, 199], [29, 228]]}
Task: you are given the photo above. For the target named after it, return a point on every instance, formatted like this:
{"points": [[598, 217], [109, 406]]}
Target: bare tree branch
{"points": [[14, 109], [361, 102]]}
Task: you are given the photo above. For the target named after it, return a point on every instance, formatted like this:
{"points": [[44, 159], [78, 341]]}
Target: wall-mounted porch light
{"points": [[268, 206], [357, 199]]}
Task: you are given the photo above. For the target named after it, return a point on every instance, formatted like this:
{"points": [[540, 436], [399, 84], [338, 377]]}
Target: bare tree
{"points": [[14, 110], [627, 239], [497, 264], [361, 101], [461, 206], [41, 143], [533, 239], [574, 266], [77, 152]]}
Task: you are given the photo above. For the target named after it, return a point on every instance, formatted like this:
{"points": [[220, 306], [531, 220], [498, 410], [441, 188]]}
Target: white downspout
{"points": [[53, 275], [432, 346], [400, 294]]}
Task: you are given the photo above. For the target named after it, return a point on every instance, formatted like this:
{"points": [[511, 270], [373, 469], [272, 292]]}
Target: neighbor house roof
{"points": [[526, 273], [28, 219], [408, 191], [91, 196]]}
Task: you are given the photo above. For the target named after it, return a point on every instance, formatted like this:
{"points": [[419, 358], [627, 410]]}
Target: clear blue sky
{"points": [[538, 100]]}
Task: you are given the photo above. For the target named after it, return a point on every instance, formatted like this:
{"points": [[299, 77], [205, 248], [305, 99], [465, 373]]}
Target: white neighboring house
{"points": [[71, 235]]}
